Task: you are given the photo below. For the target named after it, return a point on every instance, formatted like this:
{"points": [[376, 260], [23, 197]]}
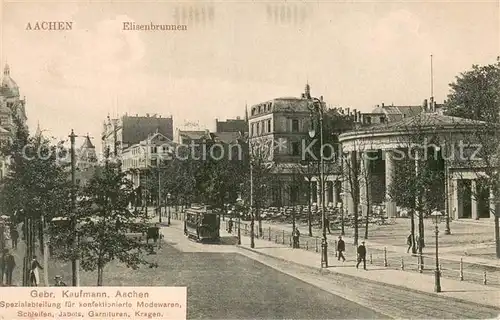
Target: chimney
{"points": [[382, 104], [360, 117], [424, 104], [147, 115], [355, 115], [348, 112], [303, 96], [321, 98]]}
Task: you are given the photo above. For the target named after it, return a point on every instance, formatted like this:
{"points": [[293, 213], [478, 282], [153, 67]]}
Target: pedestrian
{"points": [[10, 264], [341, 248], [230, 225], [362, 255], [14, 235], [59, 282], [296, 238], [409, 242], [2, 265], [327, 225], [34, 274]]}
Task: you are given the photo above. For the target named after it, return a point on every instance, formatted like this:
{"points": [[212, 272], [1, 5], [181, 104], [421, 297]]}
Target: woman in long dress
{"points": [[34, 274]]}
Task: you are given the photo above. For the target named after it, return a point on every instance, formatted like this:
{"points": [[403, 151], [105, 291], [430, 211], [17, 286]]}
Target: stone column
{"points": [[457, 201], [364, 183], [492, 204], [390, 206], [318, 192], [334, 193], [474, 199], [327, 192]]}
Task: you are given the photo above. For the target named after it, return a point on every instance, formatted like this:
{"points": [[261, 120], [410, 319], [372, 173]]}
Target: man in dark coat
{"points": [[14, 235], [341, 248], [362, 255], [8, 265]]}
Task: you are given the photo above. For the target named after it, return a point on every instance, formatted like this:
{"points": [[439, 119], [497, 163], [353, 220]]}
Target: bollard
{"points": [[461, 269], [484, 278], [402, 264], [420, 264], [316, 242], [385, 257], [269, 233], [335, 243], [283, 236], [307, 245], [291, 245], [275, 238], [371, 259]]}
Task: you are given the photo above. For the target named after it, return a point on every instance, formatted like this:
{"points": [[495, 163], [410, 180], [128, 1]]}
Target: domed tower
{"points": [[307, 91], [9, 86]]}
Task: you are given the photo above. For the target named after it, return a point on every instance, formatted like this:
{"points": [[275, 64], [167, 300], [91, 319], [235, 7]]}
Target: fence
{"points": [[426, 264]]}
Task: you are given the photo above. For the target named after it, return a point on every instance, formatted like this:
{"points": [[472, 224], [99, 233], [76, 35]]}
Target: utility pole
{"points": [[159, 192], [74, 262]]}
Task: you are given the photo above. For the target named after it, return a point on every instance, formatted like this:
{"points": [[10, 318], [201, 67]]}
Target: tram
{"points": [[202, 224]]}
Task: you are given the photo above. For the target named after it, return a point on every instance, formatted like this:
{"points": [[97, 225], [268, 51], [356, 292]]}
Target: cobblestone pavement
{"points": [[395, 302]]}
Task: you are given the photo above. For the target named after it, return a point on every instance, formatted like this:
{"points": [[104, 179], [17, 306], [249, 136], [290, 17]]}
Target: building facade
{"points": [[11, 107], [119, 134], [231, 125]]}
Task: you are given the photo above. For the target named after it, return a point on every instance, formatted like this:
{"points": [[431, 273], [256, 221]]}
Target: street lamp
{"points": [[168, 206], [317, 107], [446, 192], [239, 201], [437, 273]]}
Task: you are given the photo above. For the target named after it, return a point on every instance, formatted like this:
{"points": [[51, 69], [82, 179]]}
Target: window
{"points": [[258, 128], [153, 150], [268, 125], [253, 111], [382, 119], [295, 125], [253, 129], [295, 149], [369, 120]]}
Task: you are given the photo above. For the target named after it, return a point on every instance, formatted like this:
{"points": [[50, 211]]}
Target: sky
{"points": [[355, 54]]}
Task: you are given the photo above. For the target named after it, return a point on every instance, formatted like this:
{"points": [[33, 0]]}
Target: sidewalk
{"points": [[474, 293], [395, 249]]}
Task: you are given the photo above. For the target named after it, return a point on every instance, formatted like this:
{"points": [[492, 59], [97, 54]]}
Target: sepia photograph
{"points": [[249, 159]]}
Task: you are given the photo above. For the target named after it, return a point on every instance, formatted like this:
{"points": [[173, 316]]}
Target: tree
{"points": [[475, 95], [418, 182], [37, 186], [103, 223]]}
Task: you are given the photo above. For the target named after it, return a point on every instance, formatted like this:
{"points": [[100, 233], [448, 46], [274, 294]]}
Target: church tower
{"points": [[86, 155]]}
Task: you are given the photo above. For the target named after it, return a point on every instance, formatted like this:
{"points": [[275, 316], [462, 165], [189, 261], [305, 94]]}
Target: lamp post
{"points": [[239, 201], [316, 107], [168, 207], [437, 273]]}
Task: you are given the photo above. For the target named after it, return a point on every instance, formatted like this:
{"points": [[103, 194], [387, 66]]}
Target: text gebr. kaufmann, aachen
{"points": [[51, 300]]}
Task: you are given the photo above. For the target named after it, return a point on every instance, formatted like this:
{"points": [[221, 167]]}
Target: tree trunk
{"points": [[497, 236], [259, 218], [412, 232], [100, 270], [356, 231], [309, 213], [41, 227], [367, 219], [421, 228]]}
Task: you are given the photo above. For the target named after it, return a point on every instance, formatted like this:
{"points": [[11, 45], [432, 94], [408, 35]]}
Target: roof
{"points": [[425, 119], [193, 135], [227, 137], [398, 112], [87, 144], [422, 121], [231, 125], [136, 129], [289, 104]]}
